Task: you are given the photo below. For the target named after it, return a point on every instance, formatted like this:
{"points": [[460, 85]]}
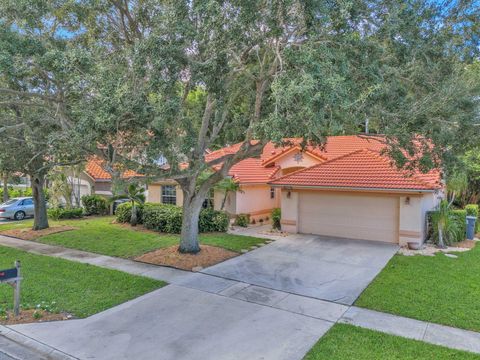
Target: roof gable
{"points": [[362, 169], [95, 169]]}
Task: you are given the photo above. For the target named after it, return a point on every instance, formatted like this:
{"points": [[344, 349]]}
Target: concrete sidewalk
{"points": [[205, 316]]}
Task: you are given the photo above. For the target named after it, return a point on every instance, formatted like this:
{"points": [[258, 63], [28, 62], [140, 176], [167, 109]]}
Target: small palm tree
{"points": [[227, 185], [136, 195], [445, 228]]}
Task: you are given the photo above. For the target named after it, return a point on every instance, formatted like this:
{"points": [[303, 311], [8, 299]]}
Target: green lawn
{"points": [[345, 342], [99, 235], [437, 289], [77, 288]]}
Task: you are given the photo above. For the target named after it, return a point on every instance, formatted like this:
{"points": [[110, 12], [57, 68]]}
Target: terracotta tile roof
{"points": [[94, 168], [335, 146], [251, 171], [364, 169]]}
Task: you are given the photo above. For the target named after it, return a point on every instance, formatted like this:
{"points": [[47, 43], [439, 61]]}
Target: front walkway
{"points": [[204, 316]]}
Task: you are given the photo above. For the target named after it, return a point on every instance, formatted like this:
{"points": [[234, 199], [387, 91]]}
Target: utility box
{"points": [[471, 227]]}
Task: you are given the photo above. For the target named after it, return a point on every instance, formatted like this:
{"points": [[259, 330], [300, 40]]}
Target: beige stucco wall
{"points": [[255, 200], [411, 219], [413, 216], [230, 202], [154, 194], [289, 221], [288, 160]]}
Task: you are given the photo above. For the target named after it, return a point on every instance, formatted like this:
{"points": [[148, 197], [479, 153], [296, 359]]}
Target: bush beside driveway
{"points": [[437, 289]]}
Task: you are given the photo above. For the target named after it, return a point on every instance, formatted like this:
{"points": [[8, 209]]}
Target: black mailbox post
{"points": [[12, 277]]}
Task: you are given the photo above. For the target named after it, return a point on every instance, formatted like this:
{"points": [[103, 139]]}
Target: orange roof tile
{"points": [[362, 169], [335, 146], [94, 168], [251, 171]]}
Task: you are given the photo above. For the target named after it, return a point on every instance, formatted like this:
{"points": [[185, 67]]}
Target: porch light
{"points": [[407, 200]]}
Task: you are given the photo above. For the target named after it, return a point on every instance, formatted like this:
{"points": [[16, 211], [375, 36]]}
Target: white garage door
{"points": [[349, 216]]}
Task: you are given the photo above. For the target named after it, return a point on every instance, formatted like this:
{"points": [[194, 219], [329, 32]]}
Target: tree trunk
{"points": [[5, 187], [441, 242], [41, 220], [133, 219], [224, 200], [192, 205]]}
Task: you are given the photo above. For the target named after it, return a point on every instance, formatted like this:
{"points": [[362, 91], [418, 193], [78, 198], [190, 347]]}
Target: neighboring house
{"points": [[95, 179]]}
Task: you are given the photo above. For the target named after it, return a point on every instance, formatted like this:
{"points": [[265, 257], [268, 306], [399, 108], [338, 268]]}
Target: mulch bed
{"points": [[29, 234], [468, 244], [26, 316], [170, 256]]}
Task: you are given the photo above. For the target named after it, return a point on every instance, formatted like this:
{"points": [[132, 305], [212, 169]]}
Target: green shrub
{"points": [[168, 218], [456, 227], [95, 205], [460, 217], [472, 210], [242, 220], [213, 221], [61, 213], [123, 212], [163, 218], [15, 192], [276, 217]]}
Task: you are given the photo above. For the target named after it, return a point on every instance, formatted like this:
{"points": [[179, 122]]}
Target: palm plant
{"points": [[227, 185], [136, 195], [457, 184], [445, 228]]}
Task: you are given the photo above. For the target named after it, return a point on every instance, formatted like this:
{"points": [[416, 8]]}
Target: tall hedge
{"points": [[94, 205], [168, 218]]}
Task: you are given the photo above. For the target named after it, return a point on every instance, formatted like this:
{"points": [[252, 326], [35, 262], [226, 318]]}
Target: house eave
{"points": [[348, 188]]}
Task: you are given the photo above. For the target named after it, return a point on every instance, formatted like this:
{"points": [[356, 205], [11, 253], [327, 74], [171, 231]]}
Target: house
{"points": [[95, 179], [345, 189]]}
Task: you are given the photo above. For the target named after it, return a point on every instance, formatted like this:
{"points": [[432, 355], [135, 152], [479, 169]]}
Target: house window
{"points": [[169, 194], [272, 193]]}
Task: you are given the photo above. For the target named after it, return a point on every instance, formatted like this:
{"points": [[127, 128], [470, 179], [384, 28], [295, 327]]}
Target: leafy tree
{"points": [[39, 76], [174, 79], [60, 188]]}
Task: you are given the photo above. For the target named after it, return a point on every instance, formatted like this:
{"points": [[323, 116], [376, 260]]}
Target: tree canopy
{"points": [[139, 80]]}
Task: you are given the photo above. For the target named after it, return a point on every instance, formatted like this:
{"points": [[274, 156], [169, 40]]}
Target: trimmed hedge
{"points": [[213, 221], [168, 218], [472, 210], [95, 205], [61, 213], [123, 212], [276, 217], [242, 220], [14, 192]]}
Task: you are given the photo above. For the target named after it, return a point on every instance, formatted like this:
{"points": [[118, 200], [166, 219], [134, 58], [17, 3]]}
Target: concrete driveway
{"points": [[332, 269], [181, 323]]}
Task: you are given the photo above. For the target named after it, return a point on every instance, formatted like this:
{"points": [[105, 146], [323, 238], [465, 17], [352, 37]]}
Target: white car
{"points": [[17, 208]]}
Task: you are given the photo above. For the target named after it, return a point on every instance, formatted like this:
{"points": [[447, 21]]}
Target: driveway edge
{"points": [[44, 351]]}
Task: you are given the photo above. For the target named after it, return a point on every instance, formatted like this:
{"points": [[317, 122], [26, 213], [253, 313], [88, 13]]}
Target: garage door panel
{"points": [[351, 216]]}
